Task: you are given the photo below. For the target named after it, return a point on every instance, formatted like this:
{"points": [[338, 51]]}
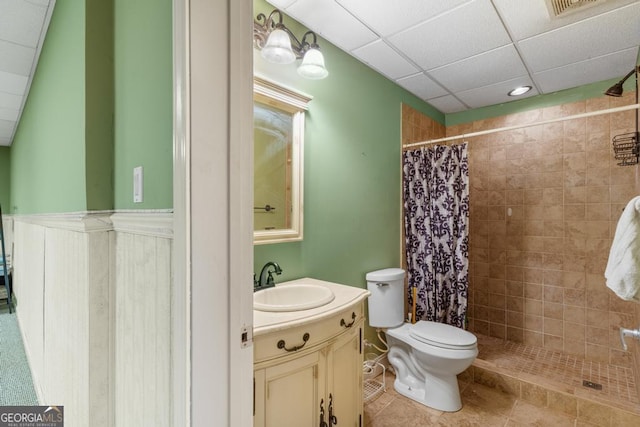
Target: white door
{"points": [[213, 230]]}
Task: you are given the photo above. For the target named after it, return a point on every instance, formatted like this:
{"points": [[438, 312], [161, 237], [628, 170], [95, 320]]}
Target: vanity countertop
{"points": [[265, 322]]}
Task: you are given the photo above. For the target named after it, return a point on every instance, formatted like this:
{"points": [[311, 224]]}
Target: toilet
{"points": [[426, 356]]}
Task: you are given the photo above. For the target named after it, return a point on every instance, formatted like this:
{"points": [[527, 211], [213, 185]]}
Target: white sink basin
{"points": [[294, 297]]}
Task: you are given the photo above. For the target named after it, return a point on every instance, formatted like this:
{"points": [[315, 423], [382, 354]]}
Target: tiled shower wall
{"points": [[545, 201], [417, 127]]}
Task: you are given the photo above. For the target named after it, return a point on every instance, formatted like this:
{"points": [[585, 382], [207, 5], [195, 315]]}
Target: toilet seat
{"points": [[442, 335]]}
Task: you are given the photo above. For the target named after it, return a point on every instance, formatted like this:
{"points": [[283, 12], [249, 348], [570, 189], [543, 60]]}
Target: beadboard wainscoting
{"points": [[93, 303], [142, 287]]}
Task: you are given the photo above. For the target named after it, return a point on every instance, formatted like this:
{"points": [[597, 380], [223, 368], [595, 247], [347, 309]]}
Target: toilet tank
{"points": [[386, 302]]}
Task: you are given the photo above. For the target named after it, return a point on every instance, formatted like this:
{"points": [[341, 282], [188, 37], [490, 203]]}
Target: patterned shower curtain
{"points": [[436, 222]]}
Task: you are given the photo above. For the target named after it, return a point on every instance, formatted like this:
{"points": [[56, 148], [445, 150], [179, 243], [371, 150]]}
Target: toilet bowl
{"points": [[426, 356]]}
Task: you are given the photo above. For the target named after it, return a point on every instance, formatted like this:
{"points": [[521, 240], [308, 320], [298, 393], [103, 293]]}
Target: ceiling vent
{"points": [[560, 8]]}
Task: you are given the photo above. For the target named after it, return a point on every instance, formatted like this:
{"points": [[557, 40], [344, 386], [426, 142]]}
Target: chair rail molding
{"points": [[85, 222], [153, 223], [157, 223]]}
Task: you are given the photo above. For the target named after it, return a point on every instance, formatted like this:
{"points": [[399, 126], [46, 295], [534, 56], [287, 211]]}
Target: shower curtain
{"points": [[436, 221]]}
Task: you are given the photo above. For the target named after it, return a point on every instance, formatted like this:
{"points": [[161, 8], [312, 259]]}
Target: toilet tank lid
{"points": [[386, 275]]}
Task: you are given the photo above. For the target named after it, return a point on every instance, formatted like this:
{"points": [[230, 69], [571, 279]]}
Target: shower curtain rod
{"points": [[506, 128]]}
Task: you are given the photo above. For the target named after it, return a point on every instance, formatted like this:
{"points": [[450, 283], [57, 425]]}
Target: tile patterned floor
{"points": [[565, 371], [482, 406], [490, 406]]}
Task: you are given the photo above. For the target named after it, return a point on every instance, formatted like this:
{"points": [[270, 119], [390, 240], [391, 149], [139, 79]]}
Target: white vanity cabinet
{"points": [[311, 367], [344, 378]]}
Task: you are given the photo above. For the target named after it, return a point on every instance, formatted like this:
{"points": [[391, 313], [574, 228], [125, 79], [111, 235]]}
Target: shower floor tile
{"points": [[561, 371]]}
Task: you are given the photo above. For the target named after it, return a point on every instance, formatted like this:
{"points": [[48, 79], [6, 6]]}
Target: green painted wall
{"points": [[144, 103], [352, 173], [48, 151], [5, 178], [99, 104]]}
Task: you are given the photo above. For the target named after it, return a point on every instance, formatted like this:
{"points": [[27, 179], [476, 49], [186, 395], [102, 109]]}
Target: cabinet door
{"points": [[344, 369], [293, 391]]}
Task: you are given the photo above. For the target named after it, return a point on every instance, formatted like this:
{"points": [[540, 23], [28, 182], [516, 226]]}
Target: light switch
{"points": [[138, 184]]}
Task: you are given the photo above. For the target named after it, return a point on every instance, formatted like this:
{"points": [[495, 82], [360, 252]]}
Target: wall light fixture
{"points": [[280, 46]]}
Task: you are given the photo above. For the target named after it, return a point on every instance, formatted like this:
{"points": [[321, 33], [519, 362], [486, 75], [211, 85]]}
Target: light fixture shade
{"points": [[312, 66], [278, 48]]}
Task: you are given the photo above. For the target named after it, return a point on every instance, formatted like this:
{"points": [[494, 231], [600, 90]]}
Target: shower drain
{"points": [[592, 385]]}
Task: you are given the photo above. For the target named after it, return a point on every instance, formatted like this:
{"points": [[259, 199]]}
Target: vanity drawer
{"points": [[299, 338]]}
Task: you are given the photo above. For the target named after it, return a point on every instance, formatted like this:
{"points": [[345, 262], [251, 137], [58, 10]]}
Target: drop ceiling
{"points": [[23, 25], [460, 54], [456, 54]]}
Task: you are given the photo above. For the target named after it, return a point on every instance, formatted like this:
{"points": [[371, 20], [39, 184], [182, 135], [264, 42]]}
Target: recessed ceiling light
{"points": [[520, 90]]}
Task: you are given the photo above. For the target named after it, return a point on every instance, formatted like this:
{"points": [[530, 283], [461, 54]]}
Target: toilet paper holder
{"points": [[633, 333]]}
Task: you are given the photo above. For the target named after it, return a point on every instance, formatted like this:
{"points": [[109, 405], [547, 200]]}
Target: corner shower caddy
{"points": [[626, 146]]}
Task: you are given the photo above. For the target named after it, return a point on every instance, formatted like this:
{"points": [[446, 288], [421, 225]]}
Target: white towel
{"points": [[623, 268]]}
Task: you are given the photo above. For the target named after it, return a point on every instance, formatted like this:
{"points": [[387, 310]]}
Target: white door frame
{"points": [[212, 369]]}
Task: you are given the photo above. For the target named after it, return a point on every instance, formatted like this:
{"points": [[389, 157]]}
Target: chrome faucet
{"points": [[633, 333], [266, 276]]}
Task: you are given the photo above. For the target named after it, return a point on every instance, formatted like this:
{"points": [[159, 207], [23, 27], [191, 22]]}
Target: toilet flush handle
{"points": [[382, 284]]}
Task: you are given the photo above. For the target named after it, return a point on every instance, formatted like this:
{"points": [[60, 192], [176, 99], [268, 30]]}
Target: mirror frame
{"points": [[294, 102]]}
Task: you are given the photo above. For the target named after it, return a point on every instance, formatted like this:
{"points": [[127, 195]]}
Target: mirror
{"points": [[278, 126]]}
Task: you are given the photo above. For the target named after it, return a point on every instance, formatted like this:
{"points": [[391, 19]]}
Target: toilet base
{"points": [[438, 393], [437, 390], [427, 373]]}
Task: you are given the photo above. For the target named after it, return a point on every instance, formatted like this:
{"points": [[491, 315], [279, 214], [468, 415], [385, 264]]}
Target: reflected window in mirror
{"points": [[278, 125]]}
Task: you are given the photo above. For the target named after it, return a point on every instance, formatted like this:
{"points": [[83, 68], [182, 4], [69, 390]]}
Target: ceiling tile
{"points": [[6, 128], [597, 36], [376, 13], [383, 58], [526, 18], [453, 36], [21, 22], [5, 141], [11, 101], [496, 93], [490, 67], [16, 59], [9, 114], [332, 22], [447, 104], [597, 69], [13, 83], [422, 86]]}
